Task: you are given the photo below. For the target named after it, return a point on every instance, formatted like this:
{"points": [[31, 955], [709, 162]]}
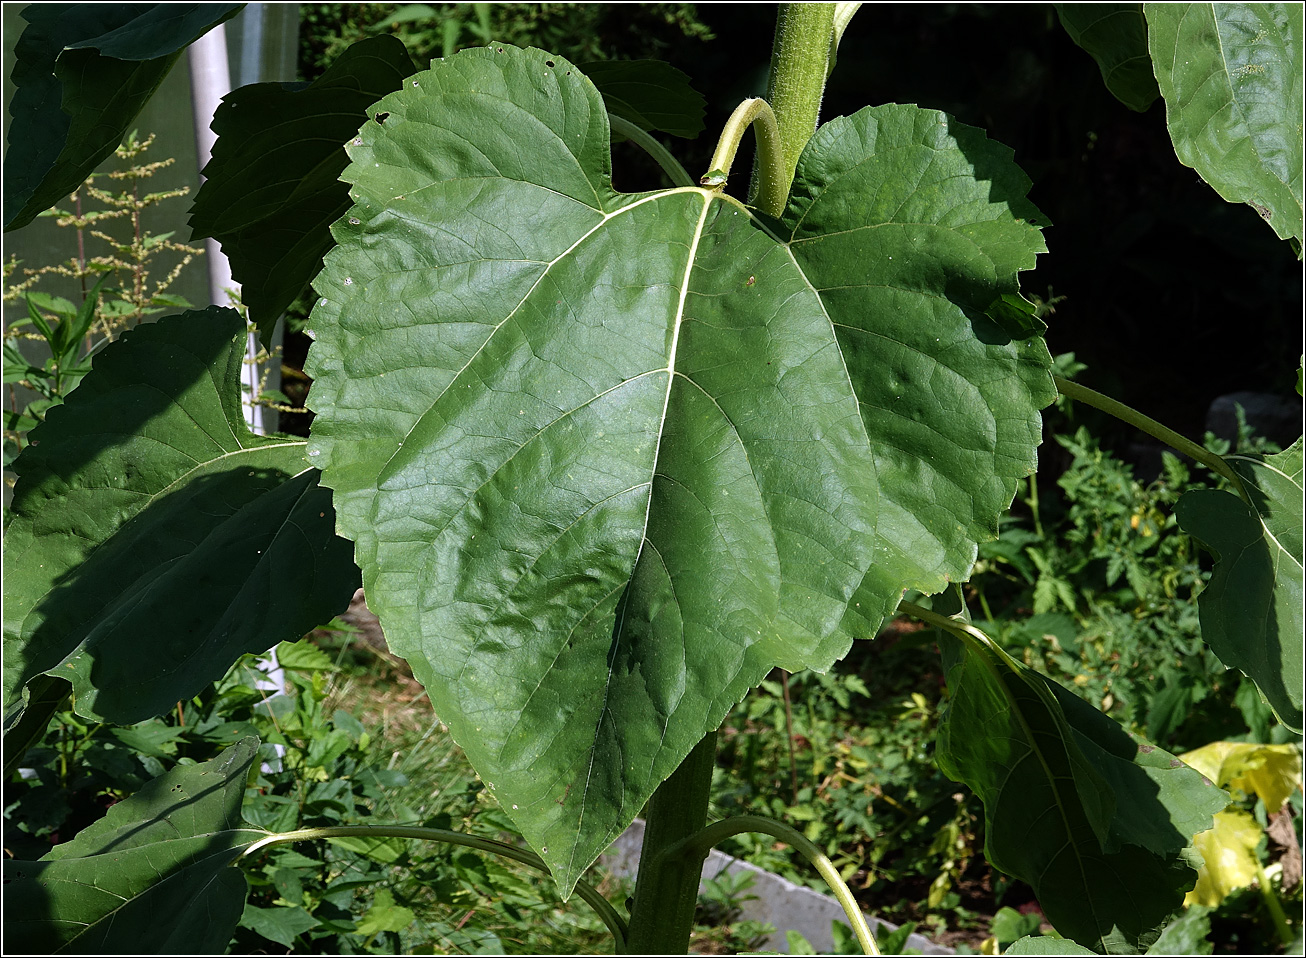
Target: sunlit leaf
{"points": [[151, 877], [1272, 772], [1229, 856], [1232, 78], [610, 458]]}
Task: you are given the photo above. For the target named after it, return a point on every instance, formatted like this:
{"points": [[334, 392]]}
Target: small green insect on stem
{"points": [[772, 187], [715, 179]]}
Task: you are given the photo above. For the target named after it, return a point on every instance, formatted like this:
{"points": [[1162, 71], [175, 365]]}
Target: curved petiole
{"points": [[616, 924], [1091, 397], [772, 185], [702, 842]]}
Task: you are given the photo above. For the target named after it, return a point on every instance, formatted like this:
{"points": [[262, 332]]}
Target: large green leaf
{"points": [[1231, 75], [1097, 821], [1115, 35], [273, 186], [82, 73], [609, 458], [1251, 610], [153, 538], [151, 877]]}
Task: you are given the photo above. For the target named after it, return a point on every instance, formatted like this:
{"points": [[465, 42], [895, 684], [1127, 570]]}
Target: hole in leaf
{"points": [[382, 117], [548, 63]]}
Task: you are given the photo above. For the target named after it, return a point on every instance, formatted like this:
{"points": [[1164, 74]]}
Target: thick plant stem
{"points": [[1091, 397], [800, 61], [666, 890], [586, 891]]}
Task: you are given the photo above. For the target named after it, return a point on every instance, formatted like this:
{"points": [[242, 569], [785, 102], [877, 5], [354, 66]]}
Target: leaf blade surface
{"points": [[150, 528], [1231, 76], [83, 72], [1251, 610], [604, 456], [166, 850], [272, 187]]}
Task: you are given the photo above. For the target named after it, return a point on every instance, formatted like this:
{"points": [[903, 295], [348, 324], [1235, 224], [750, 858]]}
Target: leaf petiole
{"points": [[670, 165], [702, 842], [772, 186], [1091, 397]]}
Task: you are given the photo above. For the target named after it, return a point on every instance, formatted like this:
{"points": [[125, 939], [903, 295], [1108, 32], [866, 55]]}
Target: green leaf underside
{"points": [[1095, 820], [166, 851], [154, 538], [1115, 35], [1231, 75], [82, 73], [608, 458], [273, 186], [1251, 610], [653, 95]]}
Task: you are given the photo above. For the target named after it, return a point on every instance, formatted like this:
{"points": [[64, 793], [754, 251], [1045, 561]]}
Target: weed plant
{"points": [[114, 266]]}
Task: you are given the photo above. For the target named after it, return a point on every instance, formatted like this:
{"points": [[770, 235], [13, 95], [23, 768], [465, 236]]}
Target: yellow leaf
{"points": [[1272, 772], [1229, 850]]}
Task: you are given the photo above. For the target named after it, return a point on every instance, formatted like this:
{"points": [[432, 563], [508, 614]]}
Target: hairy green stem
{"points": [[1174, 440], [770, 182], [666, 889], [696, 848], [642, 138], [800, 63], [586, 891]]}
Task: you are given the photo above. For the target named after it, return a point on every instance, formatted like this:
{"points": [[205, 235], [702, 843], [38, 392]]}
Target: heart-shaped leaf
{"points": [[1231, 75], [1251, 610], [151, 877], [609, 458], [154, 538]]}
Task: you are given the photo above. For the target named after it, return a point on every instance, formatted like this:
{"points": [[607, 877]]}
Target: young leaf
{"points": [[1231, 75], [1251, 611], [273, 185], [1115, 35], [609, 458], [653, 95], [151, 877], [83, 72], [150, 529], [1095, 820]]}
